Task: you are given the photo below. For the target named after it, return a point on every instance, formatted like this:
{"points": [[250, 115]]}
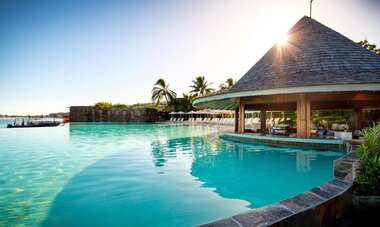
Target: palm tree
{"points": [[201, 87], [185, 103], [227, 85], [161, 90], [229, 82]]}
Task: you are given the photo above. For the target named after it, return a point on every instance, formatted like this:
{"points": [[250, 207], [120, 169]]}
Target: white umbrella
{"points": [[198, 112], [173, 112], [215, 111], [180, 113], [191, 112]]}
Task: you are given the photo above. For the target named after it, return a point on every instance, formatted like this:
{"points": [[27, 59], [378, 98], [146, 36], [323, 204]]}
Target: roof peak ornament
{"points": [[311, 6]]}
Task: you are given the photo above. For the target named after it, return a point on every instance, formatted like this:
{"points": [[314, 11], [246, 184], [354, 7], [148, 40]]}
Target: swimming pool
{"points": [[105, 174]]}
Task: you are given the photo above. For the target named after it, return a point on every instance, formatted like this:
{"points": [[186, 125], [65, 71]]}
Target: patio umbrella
{"points": [[180, 113], [199, 112], [172, 114], [191, 112], [215, 112]]}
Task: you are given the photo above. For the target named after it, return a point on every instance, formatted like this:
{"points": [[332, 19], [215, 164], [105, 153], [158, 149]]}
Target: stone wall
{"points": [[92, 114]]}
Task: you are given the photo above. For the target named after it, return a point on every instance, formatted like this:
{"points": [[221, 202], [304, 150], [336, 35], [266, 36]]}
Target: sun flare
{"points": [[282, 40]]}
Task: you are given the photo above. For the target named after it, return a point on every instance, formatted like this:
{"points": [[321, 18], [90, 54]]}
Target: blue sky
{"points": [[54, 54]]}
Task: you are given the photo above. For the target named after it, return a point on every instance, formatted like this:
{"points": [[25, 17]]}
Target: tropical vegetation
{"points": [[163, 98], [325, 119], [120, 105], [103, 105], [184, 103], [368, 181], [161, 91], [371, 47], [167, 100], [144, 105], [227, 85], [201, 87], [110, 105]]}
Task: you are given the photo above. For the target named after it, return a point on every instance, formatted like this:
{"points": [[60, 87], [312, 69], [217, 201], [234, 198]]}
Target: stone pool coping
{"points": [[320, 206], [279, 140]]}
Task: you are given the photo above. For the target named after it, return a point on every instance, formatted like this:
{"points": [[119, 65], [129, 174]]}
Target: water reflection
{"points": [[108, 174], [162, 149], [259, 174], [125, 189], [303, 162], [158, 149]]}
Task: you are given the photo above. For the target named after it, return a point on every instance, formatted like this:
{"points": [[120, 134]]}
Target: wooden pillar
{"points": [[236, 120], [263, 120], [303, 116], [357, 119], [241, 117]]}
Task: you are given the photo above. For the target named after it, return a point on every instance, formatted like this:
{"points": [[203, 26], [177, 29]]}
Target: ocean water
{"points": [[108, 174]]}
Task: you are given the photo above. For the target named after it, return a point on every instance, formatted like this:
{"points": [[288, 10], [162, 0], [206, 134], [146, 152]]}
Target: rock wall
{"points": [[92, 114]]}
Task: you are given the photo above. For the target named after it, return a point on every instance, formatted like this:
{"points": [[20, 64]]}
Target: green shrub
{"points": [[144, 105], [119, 105], [368, 181], [327, 121], [110, 105], [103, 105]]}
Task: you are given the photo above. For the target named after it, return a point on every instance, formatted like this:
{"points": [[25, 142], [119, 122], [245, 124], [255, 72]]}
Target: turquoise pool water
{"points": [[104, 174]]}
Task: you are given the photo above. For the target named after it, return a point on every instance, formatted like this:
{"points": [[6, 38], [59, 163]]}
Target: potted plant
{"points": [[366, 197]]}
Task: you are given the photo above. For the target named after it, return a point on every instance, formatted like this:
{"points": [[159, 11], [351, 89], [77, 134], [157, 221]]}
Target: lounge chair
{"points": [[214, 120], [335, 127]]}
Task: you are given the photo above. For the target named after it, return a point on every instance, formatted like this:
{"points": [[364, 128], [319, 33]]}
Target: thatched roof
{"points": [[314, 56]]}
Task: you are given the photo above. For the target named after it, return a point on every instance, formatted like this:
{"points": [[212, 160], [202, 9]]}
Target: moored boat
{"points": [[35, 123]]}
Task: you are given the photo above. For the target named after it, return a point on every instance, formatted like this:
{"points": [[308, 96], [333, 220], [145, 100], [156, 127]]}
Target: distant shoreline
{"points": [[52, 115]]}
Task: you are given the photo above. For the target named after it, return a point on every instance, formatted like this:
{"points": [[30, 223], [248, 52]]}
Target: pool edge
{"points": [[284, 141], [320, 206]]}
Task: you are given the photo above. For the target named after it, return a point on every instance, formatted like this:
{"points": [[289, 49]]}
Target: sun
{"points": [[282, 39]]}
